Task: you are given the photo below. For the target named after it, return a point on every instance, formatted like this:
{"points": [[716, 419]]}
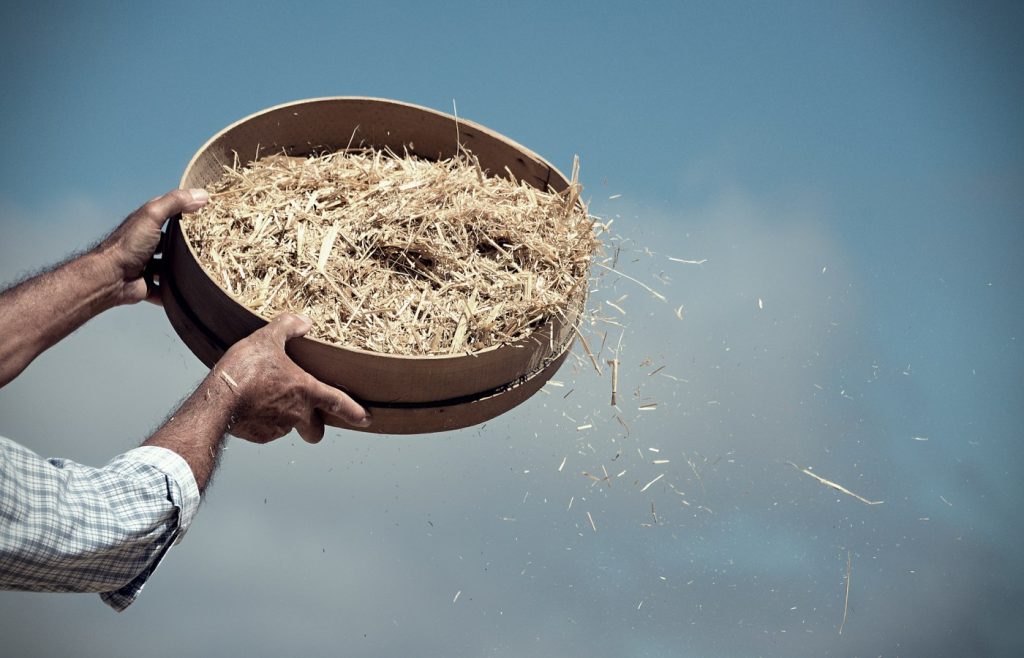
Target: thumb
{"points": [[287, 326], [174, 202]]}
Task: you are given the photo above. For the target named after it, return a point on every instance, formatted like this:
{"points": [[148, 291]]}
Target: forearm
{"points": [[74, 528], [37, 313], [198, 428]]}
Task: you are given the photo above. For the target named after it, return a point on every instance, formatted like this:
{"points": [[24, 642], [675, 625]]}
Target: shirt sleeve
{"points": [[65, 527]]}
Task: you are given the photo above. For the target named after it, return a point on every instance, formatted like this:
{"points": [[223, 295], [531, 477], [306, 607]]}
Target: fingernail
{"points": [[199, 195], [365, 422], [304, 317]]}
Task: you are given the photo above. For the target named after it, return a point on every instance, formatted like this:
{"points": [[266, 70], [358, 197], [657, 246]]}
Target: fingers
{"points": [[155, 298], [335, 403], [287, 326], [174, 202], [258, 432], [134, 292], [283, 395], [312, 430]]}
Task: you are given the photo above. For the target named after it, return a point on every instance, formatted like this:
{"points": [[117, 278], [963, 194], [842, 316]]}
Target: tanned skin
{"points": [[255, 391]]}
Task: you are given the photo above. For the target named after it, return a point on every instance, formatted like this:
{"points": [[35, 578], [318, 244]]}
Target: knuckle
{"points": [[179, 197], [153, 208], [159, 208]]}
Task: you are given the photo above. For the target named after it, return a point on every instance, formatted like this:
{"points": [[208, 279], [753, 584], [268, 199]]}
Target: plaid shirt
{"points": [[65, 527]]}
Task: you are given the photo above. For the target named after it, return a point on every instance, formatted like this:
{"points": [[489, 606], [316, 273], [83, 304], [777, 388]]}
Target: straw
{"points": [[396, 254]]}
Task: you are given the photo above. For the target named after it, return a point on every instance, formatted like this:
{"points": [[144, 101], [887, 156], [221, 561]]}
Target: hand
{"points": [[131, 245], [273, 394]]}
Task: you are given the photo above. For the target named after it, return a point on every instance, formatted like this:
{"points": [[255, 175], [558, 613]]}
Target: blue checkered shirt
{"points": [[65, 527]]}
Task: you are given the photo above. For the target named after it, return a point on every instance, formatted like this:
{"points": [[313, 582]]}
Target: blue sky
{"points": [[857, 166]]}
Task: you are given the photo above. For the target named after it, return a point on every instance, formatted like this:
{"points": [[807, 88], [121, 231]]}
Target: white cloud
{"points": [[374, 535]]}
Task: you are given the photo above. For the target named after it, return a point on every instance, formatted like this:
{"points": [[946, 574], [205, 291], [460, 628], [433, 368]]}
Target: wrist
{"points": [[208, 412], [220, 397], [198, 429], [100, 268]]}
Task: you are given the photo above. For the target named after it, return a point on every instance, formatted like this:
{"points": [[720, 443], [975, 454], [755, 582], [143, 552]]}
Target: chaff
{"points": [[838, 487], [639, 283], [586, 348], [393, 253], [648, 485], [614, 364], [846, 600], [229, 380]]}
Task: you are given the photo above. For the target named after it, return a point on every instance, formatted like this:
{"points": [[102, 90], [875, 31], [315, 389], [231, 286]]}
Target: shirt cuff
{"points": [[181, 478]]}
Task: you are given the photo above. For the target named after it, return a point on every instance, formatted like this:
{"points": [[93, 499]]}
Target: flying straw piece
{"points": [[639, 283], [679, 312], [846, 600], [838, 487], [562, 465], [586, 348], [615, 306], [455, 112], [614, 363], [604, 339], [591, 519], [648, 485], [700, 480], [686, 261]]}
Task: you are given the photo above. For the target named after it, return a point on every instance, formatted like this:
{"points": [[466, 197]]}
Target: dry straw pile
{"points": [[396, 254]]}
